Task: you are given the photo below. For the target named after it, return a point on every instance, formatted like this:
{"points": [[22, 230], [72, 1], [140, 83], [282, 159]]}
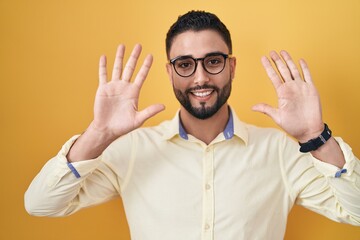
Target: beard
{"points": [[204, 112]]}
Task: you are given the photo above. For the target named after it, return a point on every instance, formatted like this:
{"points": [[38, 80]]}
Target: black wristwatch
{"points": [[315, 143]]}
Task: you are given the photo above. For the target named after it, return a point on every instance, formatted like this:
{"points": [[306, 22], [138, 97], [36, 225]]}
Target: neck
{"points": [[205, 130]]}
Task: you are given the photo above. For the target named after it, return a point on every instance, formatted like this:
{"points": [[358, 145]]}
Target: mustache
{"points": [[205, 86]]}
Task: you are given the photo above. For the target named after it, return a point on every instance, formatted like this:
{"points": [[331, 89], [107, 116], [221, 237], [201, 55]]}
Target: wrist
{"points": [[90, 144], [312, 133], [100, 133], [330, 153], [315, 143]]}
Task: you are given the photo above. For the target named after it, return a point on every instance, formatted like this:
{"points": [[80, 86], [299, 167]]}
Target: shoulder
{"points": [[140, 141], [251, 133], [264, 132], [144, 135], [154, 133], [267, 137]]}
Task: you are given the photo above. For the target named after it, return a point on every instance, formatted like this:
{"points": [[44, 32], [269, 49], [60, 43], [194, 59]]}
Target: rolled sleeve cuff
{"points": [[351, 163], [80, 168]]}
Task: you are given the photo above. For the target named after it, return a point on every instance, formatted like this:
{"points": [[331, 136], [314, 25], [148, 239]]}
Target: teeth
{"points": [[202, 94]]}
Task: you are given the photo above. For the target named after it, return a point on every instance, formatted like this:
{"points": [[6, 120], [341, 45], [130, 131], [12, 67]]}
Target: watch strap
{"points": [[315, 143]]}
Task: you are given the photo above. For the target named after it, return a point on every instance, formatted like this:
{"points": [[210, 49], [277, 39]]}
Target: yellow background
{"points": [[49, 54]]}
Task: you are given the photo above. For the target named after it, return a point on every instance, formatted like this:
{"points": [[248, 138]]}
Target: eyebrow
{"points": [[206, 55]]}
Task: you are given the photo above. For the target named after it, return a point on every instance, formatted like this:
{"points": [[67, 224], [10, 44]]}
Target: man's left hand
{"points": [[299, 109]]}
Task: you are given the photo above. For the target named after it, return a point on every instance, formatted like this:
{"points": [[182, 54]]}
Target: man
{"points": [[203, 174]]}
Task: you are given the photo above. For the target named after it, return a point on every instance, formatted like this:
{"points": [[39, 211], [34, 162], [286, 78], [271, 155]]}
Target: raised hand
{"points": [[299, 109], [116, 106], [116, 103]]}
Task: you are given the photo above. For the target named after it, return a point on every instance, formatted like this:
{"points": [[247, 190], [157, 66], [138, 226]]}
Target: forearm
{"points": [[56, 191], [330, 153], [319, 186], [339, 194], [335, 198], [53, 190], [90, 145]]}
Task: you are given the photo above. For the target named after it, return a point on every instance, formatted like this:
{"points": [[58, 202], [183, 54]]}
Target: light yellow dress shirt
{"points": [[240, 186]]}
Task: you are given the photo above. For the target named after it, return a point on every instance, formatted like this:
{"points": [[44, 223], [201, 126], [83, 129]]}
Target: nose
{"points": [[200, 75]]}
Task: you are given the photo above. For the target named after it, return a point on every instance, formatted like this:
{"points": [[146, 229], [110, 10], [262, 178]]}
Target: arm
{"points": [[313, 184], [299, 109], [56, 191]]}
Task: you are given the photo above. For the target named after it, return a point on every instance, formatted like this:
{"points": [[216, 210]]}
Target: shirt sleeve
{"points": [[350, 170], [322, 187], [57, 191]]}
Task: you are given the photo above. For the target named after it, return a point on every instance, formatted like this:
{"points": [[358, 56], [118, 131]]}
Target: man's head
{"points": [[197, 21], [201, 68]]}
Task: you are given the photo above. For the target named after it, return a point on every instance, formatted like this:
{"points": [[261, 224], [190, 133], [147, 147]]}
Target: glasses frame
{"points": [[196, 60]]}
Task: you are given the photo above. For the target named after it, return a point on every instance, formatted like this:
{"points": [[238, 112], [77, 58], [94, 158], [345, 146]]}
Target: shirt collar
{"points": [[229, 129], [234, 127], [183, 134], [228, 132]]}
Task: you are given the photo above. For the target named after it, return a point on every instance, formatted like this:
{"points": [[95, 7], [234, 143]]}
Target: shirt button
{"points": [[207, 226], [207, 186]]}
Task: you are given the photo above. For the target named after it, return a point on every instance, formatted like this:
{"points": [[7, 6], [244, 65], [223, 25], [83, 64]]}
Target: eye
{"points": [[213, 61], [184, 63]]}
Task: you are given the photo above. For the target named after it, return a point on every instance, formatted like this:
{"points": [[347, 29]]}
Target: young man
{"points": [[204, 174]]}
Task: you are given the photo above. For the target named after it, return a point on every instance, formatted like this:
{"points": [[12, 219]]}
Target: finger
{"points": [[102, 70], [291, 65], [274, 77], [116, 74], [268, 110], [131, 63], [281, 66], [144, 70], [306, 71], [149, 112]]}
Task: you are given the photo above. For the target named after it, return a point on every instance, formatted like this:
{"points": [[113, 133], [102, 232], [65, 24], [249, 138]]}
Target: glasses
{"points": [[213, 63]]}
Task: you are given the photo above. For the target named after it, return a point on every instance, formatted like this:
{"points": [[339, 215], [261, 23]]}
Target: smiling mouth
{"points": [[202, 94]]}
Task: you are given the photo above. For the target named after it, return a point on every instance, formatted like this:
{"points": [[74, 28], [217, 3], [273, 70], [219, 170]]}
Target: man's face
{"points": [[202, 94]]}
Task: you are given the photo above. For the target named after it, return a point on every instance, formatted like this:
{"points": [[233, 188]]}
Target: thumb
{"points": [[149, 112], [266, 109]]}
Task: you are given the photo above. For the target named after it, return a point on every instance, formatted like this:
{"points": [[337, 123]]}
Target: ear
{"points": [[232, 62], [169, 72]]}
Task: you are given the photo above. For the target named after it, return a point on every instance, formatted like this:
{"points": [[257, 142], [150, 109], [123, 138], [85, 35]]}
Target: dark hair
{"points": [[197, 21]]}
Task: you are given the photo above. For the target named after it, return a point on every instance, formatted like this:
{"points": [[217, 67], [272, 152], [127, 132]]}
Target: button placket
{"points": [[208, 193]]}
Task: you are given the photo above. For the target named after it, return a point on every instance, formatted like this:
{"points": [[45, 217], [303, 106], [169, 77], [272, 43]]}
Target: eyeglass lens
{"points": [[213, 64]]}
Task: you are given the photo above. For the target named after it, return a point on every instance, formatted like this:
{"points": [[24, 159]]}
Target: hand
{"points": [[116, 103], [299, 109]]}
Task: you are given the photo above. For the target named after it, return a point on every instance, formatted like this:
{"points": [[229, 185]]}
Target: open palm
{"points": [[116, 102], [299, 109]]}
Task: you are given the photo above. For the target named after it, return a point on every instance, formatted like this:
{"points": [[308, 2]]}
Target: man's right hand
{"points": [[116, 105]]}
